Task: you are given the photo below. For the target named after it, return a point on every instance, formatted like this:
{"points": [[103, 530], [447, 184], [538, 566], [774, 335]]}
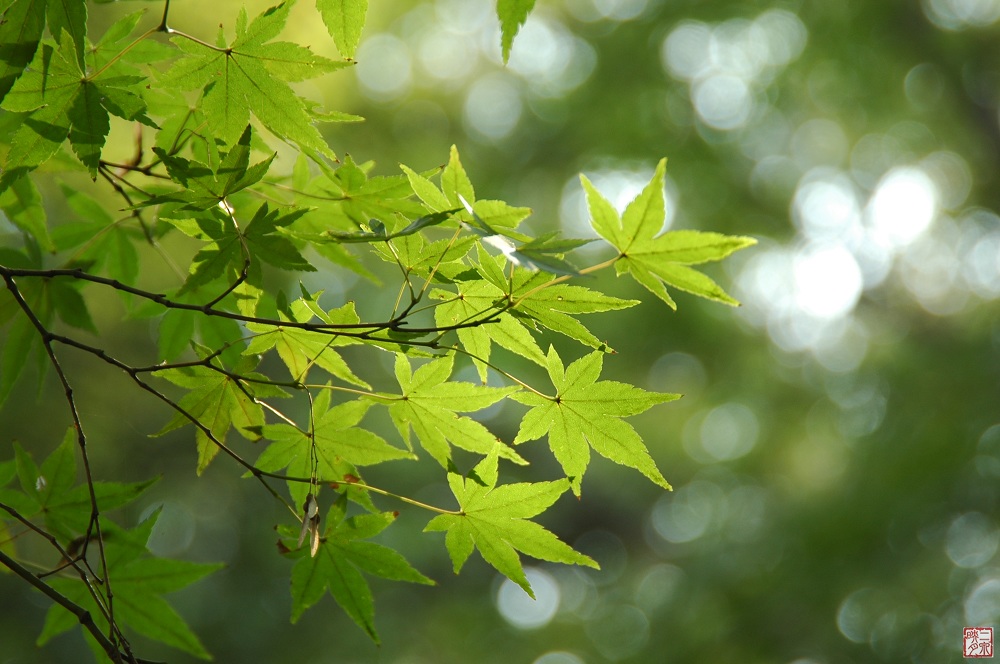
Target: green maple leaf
{"points": [[416, 255], [139, 581], [455, 182], [554, 307], [69, 16], [657, 260], [230, 246], [22, 205], [118, 52], [300, 349], [51, 490], [104, 242], [494, 520], [456, 192], [47, 91], [536, 304], [430, 405], [204, 186], [21, 27], [472, 299], [348, 197], [340, 446], [345, 20], [338, 565], [381, 234], [586, 413], [63, 100], [219, 402], [251, 76], [512, 15]]}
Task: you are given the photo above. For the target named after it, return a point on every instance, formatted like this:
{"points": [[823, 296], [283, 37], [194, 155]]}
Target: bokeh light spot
{"points": [[859, 613], [174, 530], [723, 101], [678, 372], [826, 206], [619, 631], [687, 514], [959, 14], [558, 657], [685, 51], [827, 280], [982, 607], [902, 207], [658, 586], [517, 607], [493, 107], [729, 431], [384, 67], [972, 540]]}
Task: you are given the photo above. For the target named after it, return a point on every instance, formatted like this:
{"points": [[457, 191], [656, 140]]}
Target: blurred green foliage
{"points": [[836, 456]]}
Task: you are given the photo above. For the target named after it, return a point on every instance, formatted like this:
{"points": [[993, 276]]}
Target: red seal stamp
{"points": [[977, 642]]}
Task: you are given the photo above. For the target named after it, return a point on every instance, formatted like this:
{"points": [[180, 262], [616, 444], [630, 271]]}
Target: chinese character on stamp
{"points": [[977, 642]]}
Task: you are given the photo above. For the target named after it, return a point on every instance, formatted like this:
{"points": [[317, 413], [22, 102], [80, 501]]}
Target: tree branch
{"points": [[82, 615]]}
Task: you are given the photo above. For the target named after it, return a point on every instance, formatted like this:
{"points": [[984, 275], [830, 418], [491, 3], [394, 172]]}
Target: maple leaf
{"points": [[139, 582], [203, 186], [535, 304], [494, 520], [512, 15], [51, 490], [251, 76], [344, 19], [219, 402], [106, 242], [340, 561], [337, 443], [430, 405], [62, 100], [300, 349], [22, 204], [586, 413], [654, 260], [21, 27], [230, 246]]}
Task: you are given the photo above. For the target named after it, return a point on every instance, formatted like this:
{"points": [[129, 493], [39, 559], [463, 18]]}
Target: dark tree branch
{"points": [[82, 615], [94, 524]]}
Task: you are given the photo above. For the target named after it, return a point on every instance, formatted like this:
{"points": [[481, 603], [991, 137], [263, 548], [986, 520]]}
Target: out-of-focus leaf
{"points": [[22, 205], [139, 581]]}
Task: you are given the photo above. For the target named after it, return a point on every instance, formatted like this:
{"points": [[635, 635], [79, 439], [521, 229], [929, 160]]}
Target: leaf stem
{"points": [[411, 501], [351, 390], [117, 56], [500, 371]]}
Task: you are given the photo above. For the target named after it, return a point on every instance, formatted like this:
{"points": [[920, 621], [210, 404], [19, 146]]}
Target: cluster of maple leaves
{"points": [[469, 281]]}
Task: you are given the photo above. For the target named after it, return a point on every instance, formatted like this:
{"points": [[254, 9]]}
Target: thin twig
{"points": [[81, 613], [94, 525]]}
